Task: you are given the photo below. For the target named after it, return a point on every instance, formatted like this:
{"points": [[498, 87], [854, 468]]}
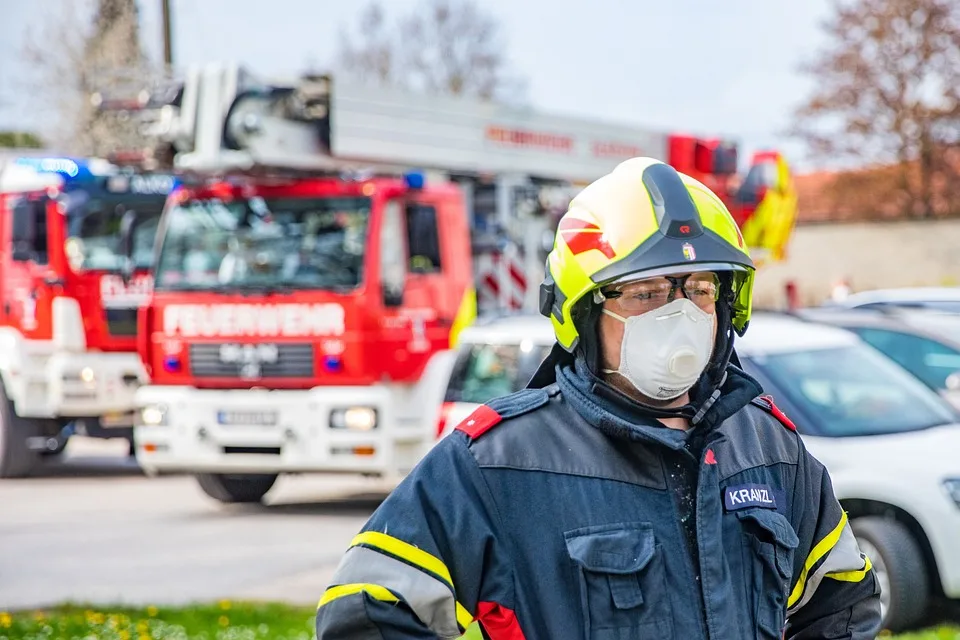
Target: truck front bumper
{"points": [[273, 431], [74, 385]]}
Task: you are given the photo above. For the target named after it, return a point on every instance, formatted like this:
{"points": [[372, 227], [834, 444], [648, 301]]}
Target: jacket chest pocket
{"points": [[623, 591], [769, 546]]}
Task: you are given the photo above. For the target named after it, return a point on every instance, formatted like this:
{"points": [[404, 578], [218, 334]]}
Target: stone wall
{"points": [[869, 255]]}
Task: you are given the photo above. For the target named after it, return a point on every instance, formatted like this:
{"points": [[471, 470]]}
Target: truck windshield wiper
{"points": [[265, 288]]}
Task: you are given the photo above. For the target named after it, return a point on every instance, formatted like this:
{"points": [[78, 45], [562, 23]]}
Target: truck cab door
{"points": [[31, 283], [416, 317]]}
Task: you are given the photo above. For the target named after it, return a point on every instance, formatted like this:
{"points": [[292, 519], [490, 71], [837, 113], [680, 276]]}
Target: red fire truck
{"points": [[68, 359], [309, 285]]}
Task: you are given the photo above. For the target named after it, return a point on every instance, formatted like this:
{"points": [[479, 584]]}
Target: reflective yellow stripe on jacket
{"points": [[390, 569], [841, 560]]}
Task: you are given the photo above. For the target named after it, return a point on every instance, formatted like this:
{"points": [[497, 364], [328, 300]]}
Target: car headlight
{"points": [[153, 415], [354, 418], [952, 487]]}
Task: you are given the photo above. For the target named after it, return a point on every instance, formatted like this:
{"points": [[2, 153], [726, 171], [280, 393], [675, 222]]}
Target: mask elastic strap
{"points": [[614, 315], [621, 319]]}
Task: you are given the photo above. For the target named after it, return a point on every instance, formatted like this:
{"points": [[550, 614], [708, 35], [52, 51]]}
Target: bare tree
{"points": [[445, 46], [373, 56], [72, 56], [888, 86]]}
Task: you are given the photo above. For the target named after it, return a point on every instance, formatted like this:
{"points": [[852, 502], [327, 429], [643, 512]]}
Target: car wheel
{"points": [[236, 488], [899, 567]]}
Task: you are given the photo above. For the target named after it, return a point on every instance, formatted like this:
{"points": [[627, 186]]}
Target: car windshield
{"points": [[487, 371], [855, 391], [262, 243], [93, 228]]}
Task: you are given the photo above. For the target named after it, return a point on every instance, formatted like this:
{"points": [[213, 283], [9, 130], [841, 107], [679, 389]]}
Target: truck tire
{"points": [[900, 569], [16, 458], [236, 488]]}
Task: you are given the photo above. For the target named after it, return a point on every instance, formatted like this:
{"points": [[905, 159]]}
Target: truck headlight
{"points": [[952, 487], [153, 415], [354, 418]]}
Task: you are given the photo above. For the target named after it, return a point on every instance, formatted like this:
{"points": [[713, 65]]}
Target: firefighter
{"points": [[641, 486]]}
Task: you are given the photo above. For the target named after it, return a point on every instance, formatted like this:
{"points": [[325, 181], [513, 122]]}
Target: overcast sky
{"points": [[726, 68]]}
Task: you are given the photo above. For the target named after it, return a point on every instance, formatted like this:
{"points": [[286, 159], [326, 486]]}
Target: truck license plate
{"points": [[248, 418]]}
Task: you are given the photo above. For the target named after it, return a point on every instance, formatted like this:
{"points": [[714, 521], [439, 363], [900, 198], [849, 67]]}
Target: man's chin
{"points": [[626, 388]]}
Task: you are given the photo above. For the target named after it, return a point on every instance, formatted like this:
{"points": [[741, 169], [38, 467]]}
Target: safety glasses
{"points": [[641, 296]]}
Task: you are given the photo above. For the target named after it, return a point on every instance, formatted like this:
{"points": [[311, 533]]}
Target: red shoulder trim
{"points": [[778, 414], [480, 421], [499, 622]]}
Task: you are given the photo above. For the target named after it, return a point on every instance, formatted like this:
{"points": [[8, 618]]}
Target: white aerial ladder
{"points": [[519, 168]]}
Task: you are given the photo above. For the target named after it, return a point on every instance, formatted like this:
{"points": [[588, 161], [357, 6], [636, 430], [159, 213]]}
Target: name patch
{"points": [[749, 495]]}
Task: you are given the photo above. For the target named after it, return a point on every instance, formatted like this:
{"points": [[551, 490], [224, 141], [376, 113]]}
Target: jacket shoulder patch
{"points": [[487, 416], [766, 403], [480, 421]]}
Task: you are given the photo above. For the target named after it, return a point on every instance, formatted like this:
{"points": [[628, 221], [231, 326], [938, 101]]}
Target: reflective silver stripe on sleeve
{"points": [[430, 598], [844, 556]]}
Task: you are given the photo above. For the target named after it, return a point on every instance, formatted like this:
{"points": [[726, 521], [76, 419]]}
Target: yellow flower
{"points": [[151, 611], [5, 620], [39, 615], [94, 617], [225, 605], [224, 621]]}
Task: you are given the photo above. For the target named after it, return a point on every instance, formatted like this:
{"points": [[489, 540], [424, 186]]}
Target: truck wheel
{"points": [[16, 458], [236, 487], [899, 567]]}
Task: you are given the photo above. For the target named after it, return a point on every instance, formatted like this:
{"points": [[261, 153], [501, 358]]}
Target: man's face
{"points": [[643, 296]]}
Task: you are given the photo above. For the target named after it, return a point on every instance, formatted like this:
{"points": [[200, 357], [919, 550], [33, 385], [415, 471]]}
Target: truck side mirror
{"points": [[392, 296], [127, 224]]}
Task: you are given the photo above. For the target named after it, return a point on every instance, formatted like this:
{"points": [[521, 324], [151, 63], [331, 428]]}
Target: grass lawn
{"points": [[220, 621]]}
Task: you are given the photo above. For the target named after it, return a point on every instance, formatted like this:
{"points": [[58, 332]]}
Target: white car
{"points": [[889, 442], [933, 298]]}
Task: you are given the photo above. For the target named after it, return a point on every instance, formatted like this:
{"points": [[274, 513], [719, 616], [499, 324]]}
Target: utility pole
{"points": [[167, 35]]}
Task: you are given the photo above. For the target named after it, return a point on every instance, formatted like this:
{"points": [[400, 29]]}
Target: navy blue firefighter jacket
{"points": [[554, 513]]}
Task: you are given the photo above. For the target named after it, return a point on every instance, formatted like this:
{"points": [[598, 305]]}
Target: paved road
{"points": [[94, 529]]}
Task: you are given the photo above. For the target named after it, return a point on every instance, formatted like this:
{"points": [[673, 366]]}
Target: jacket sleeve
{"points": [[428, 562], [835, 593]]}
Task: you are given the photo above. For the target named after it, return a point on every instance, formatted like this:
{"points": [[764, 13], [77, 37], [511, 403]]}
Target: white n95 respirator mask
{"points": [[665, 351]]}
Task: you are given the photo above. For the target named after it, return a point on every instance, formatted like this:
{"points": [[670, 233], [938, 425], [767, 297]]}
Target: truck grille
{"points": [[121, 322], [292, 361]]}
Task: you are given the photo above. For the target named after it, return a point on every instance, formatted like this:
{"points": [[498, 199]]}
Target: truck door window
{"points": [[93, 229], [423, 238], [30, 231], [392, 252]]}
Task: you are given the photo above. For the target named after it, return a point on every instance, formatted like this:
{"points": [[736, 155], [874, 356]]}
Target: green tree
{"points": [[20, 140]]}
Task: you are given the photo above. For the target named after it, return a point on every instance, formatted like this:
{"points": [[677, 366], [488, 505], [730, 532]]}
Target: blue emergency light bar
{"points": [[72, 169], [414, 179], [77, 171]]}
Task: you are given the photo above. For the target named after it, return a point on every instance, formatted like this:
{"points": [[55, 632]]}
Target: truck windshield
{"points": [[93, 229], [312, 243]]}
